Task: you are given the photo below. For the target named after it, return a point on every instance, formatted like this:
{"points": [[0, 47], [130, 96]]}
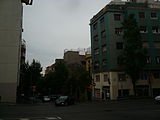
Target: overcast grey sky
{"points": [[50, 26]]}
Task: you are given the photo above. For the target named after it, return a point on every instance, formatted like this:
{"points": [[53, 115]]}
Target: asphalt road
{"points": [[144, 109]]}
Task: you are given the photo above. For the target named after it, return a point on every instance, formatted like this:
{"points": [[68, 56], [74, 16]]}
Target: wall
{"points": [[10, 37]]}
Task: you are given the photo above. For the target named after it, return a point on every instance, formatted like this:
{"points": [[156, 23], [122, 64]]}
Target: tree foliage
{"points": [[30, 75], [68, 80], [134, 54]]}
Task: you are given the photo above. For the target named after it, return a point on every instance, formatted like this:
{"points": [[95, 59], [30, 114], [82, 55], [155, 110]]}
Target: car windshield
{"points": [[63, 97]]}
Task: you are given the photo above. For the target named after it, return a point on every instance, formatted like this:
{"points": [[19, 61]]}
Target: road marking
{"points": [[59, 118], [36, 118], [51, 118], [24, 119]]}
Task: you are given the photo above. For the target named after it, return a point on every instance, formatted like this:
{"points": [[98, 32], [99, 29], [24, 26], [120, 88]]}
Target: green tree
{"points": [[30, 75], [55, 80], [35, 70], [134, 54], [78, 81]]}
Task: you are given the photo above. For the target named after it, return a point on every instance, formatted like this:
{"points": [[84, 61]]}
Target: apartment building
{"points": [[10, 47], [107, 44], [73, 57]]}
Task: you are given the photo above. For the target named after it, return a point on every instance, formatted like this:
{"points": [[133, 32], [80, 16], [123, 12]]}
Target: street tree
{"points": [[134, 54], [30, 75]]}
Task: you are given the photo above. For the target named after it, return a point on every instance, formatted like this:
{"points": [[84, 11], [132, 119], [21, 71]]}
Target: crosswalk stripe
{"points": [[36, 118], [24, 119], [59, 118], [51, 118]]}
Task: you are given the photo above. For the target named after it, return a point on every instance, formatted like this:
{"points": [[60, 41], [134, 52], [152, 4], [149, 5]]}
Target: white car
{"points": [[46, 98], [157, 98]]}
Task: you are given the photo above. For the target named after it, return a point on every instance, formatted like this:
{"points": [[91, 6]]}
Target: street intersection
{"points": [[142, 109]]}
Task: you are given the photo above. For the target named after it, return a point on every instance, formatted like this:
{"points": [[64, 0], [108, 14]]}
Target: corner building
{"points": [[107, 44], [10, 47]]}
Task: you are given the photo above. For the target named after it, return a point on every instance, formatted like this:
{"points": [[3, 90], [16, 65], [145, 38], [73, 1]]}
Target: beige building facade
{"points": [[10, 42]]}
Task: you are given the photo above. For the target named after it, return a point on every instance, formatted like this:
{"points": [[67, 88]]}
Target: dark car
{"points": [[54, 97], [64, 101]]}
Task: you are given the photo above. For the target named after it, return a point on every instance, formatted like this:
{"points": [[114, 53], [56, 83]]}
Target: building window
{"points": [[155, 29], [104, 62], [158, 59], [95, 26], [117, 17], [119, 45], [96, 65], [121, 77], [157, 44], [96, 51], [141, 15], [97, 78], [105, 77], [103, 34], [143, 76], [143, 29], [97, 93], [95, 38], [102, 20], [154, 15], [118, 31], [104, 48], [156, 75], [148, 60], [145, 45]]}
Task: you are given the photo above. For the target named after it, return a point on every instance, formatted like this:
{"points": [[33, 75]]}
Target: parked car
{"points": [[157, 99], [46, 99], [54, 97], [64, 101]]}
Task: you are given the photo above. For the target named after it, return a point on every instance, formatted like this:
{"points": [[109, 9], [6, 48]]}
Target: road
{"points": [[144, 109]]}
